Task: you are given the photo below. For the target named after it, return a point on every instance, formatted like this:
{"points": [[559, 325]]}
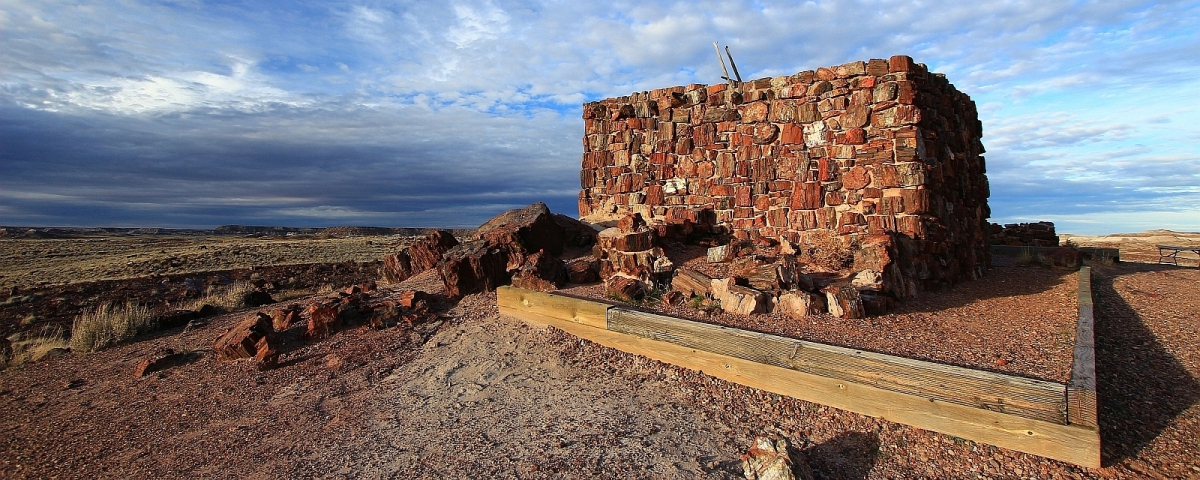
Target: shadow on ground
{"points": [[1141, 386]]}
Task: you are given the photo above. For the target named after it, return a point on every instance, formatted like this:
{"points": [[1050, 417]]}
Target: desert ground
{"points": [[469, 393]]}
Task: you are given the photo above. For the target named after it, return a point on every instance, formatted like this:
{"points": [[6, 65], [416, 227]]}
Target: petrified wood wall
{"points": [[862, 151]]}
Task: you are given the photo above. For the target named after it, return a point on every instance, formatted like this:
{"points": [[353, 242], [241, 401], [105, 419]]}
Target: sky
{"points": [[194, 113]]}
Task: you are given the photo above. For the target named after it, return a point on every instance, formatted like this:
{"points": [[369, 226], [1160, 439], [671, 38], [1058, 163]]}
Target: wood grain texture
{"points": [[1069, 443], [585, 312], [1081, 391], [1024, 397]]}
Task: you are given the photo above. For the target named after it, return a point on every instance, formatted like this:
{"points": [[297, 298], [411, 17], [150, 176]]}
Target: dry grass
{"points": [[109, 325], [230, 297], [826, 251], [26, 349]]}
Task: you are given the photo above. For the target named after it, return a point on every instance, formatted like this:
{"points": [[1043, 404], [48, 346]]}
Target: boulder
{"points": [[427, 252], [541, 272], [739, 299], [771, 275], [524, 230], [735, 249], [397, 267], [583, 270], [499, 250], [472, 267], [575, 232], [844, 301], [800, 304], [422, 255], [384, 315], [411, 299], [252, 338]]}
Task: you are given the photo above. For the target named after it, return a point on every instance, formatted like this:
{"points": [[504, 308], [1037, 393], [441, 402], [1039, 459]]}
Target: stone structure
{"points": [[862, 151], [1039, 234]]}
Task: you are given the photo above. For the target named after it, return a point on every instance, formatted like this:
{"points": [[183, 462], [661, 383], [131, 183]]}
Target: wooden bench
{"points": [[1170, 254]]}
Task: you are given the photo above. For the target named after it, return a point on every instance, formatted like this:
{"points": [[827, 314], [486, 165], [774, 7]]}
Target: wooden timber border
{"points": [[1043, 418]]}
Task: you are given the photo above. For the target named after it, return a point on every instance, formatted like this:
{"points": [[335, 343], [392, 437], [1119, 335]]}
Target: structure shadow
{"points": [[1141, 386], [848, 456]]}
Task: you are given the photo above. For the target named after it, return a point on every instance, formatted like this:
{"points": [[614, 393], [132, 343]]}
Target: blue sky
{"points": [[197, 114]]}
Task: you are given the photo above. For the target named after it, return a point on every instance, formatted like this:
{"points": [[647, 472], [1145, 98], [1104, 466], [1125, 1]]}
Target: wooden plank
{"points": [[1035, 399], [1081, 391], [1069, 443], [572, 309]]}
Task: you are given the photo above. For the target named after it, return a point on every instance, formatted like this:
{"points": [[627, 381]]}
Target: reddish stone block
{"points": [[855, 179], [742, 196], [754, 112], [654, 195], [872, 193], [806, 196], [762, 202], [901, 63], [880, 223], [854, 136], [833, 198], [915, 200], [826, 217], [791, 134]]}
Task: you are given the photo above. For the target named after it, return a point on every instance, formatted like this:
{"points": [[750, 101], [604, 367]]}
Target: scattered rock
{"points": [[322, 320], [176, 318], [161, 360], [738, 299], [691, 283], [252, 338], [625, 288], [414, 298], [844, 301], [868, 280], [800, 304], [769, 459], [673, 297], [282, 319], [583, 270]]}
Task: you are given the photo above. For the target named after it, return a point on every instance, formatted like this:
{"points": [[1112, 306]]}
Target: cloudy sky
{"points": [[194, 113]]}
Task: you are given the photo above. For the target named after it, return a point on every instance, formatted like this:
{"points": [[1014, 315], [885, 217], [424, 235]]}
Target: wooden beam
{"points": [[1081, 391], [1077, 444], [1035, 399], [594, 314]]}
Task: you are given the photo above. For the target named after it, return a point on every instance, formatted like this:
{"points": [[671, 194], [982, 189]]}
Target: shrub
{"points": [[824, 250], [109, 325]]}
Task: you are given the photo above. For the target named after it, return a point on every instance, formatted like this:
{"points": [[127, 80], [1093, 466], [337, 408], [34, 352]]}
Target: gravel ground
{"points": [[1017, 320], [478, 395]]}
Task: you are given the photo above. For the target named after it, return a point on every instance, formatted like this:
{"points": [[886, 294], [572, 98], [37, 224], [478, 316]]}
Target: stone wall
{"points": [[860, 151]]}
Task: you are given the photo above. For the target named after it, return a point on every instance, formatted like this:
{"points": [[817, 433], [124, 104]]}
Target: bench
{"points": [[1170, 253]]}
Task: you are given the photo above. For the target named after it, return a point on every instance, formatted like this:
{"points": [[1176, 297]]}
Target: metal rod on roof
{"points": [[722, 60], [734, 65]]}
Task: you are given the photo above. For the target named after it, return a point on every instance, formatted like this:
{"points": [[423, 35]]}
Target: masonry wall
{"points": [[859, 151]]}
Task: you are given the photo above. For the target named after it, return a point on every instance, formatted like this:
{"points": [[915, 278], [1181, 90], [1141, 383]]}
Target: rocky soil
{"points": [[471, 394]]}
